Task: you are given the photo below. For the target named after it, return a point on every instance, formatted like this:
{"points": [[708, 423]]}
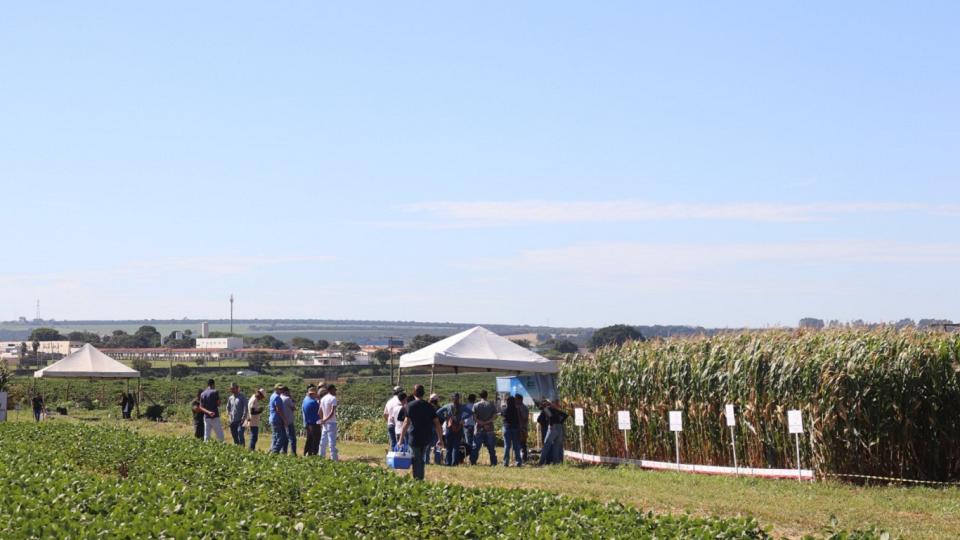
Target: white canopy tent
{"points": [[478, 349], [87, 363]]}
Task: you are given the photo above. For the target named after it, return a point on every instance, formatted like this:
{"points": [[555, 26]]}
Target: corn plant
{"points": [[881, 402]]}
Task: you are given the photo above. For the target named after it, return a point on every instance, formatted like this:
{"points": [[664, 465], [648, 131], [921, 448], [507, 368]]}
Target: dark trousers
{"points": [[392, 433], [198, 428], [418, 464], [452, 441], [312, 445], [481, 439], [254, 435], [236, 431]]}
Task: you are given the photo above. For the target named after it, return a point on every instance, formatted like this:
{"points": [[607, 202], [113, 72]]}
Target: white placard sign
{"points": [[731, 418], [578, 416], [623, 420], [3, 406], [676, 420], [795, 421], [536, 417]]}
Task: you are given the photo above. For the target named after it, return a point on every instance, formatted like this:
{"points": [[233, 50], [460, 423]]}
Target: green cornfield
{"points": [[881, 402]]}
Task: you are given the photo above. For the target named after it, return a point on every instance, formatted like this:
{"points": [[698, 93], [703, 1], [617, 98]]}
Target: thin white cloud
{"points": [[670, 259], [484, 213], [217, 265]]}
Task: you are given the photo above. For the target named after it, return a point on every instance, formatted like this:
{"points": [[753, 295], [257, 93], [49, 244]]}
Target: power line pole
{"points": [[231, 313]]}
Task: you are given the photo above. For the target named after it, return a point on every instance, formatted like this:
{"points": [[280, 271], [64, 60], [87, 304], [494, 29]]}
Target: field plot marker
{"points": [[795, 423], [676, 426], [732, 423], [578, 421], [623, 421]]}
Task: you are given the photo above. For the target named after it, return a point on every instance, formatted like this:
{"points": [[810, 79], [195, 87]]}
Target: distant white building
{"points": [[46, 347], [220, 343]]}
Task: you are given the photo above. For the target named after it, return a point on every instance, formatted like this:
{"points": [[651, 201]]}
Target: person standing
{"points": [[422, 422], [131, 403], [255, 409], [290, 418], [389, 415], [123, 406], [552, 452], [452, 415], [37, 406], [236, 414], [484, 412], [197, 416], [311, 421], [210, 403], [277, 423], [523, 413], [511, 437], [328, 419], [435, 446], [469, 424]]}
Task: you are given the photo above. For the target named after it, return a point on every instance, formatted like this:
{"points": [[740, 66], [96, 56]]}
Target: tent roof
{"points": [[479, 348], [87, 363]]}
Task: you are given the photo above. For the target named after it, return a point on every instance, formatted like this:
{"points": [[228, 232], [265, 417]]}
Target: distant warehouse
{"points": [[231, 343]]}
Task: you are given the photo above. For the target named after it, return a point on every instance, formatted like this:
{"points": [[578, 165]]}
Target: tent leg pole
{"points": [[139, 396], [398, 375], [433, 370]]}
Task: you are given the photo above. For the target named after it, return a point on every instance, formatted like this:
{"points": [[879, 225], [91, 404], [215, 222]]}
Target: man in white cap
{"points": [[389, 414]]}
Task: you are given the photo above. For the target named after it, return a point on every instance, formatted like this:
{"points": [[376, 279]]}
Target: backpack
{"points": [[453, 420]]}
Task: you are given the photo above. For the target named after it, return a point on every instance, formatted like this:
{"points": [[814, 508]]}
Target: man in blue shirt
{"points": [[311, 421], [210, 405], [277, 422]]}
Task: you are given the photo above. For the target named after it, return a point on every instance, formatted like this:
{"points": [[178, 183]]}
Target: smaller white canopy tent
{"points": [[478, 349], [87, 363]]}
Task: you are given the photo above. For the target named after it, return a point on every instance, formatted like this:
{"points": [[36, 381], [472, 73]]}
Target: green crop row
{"points": [[884, 403], [76, 481]]}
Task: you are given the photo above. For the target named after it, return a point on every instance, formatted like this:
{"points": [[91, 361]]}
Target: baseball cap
{"points": [[397, 390], [278, 386], [433, 397]]}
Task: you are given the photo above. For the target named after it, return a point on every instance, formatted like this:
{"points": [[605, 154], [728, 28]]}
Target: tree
{"points": [[147, 337], [422, 340], [348, 358], [382, 356], [258, 360], [268, 342], [348, 346], [179, 371], [84, 337], [525, 343], [302, 343], [322, 344], [36, 347], [23, 352], [566, 346], [811, 323], [46, 334], [141, 365], [184, 342], [4, 375], [617, 334]]}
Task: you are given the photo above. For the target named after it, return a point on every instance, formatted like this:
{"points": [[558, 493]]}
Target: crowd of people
{"points": [[318, 411], [452, 434], [456, 432]]}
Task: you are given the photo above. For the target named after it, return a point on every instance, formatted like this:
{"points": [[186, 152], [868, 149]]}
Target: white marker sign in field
{"points": [[731, 417], [578, 416], [676, 420], [623, 420], [795, 421]]}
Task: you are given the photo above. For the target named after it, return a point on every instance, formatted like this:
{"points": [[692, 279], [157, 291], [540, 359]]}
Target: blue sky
{"points": [[562, 163]]}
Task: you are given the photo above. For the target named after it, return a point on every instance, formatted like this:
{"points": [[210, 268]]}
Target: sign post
{"points": [[578, 421], [623, 422], [3, 406], [795, 423], [676, 426], [732, 423]]}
